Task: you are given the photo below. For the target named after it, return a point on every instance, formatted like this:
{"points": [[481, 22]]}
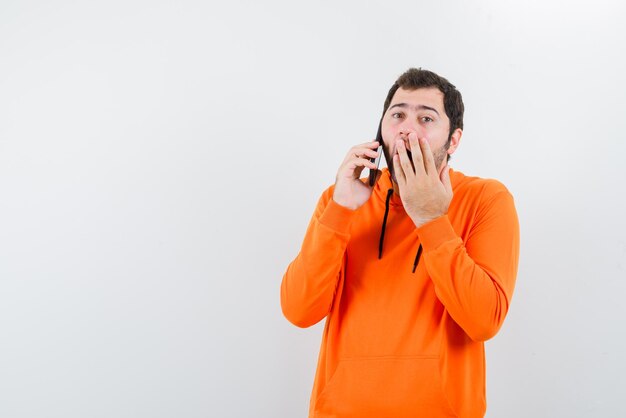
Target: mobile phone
{"points": [[379, 138]]}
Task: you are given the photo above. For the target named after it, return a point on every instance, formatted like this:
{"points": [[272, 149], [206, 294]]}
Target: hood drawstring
{"points": [[417, 257], [382, 233]]}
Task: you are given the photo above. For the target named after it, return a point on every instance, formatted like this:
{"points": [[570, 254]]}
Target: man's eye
{"points": [[427, 119], [396, 115]]}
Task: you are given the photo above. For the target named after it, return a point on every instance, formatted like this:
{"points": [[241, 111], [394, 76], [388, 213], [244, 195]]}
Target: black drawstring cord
{"points": [[417, 257], [382, 233]]}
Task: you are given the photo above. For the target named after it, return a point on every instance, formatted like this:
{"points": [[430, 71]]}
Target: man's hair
{"points": [[416, 78]]}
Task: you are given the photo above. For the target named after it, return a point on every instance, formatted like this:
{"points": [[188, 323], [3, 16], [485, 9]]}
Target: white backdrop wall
{"points": [[160, 161]]}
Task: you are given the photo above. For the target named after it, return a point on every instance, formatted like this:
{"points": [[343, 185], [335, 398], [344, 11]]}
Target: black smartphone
{"points": [[379, 138]]}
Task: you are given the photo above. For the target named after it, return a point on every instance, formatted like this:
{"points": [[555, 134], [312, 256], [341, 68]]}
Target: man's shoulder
{"points": [[477, 186]]}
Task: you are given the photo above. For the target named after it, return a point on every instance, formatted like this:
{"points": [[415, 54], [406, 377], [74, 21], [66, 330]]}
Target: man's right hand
{"points": [[349, 190]]}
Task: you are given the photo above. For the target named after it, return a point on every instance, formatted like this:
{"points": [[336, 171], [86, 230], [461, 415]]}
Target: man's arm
{"points": [[475, 280], [311, 279]]}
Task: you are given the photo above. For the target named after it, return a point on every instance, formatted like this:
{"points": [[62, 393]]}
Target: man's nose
{"points": [[406, 130], [409, 125]]}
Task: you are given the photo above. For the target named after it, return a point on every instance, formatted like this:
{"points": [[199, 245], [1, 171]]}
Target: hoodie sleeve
{"points": [[475, 279], [310, 282]]}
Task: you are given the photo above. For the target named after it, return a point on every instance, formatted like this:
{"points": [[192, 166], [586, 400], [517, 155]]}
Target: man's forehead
{"points": [[429, 96]]}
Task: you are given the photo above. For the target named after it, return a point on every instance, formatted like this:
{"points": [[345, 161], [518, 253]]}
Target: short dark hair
{"points": [[415, 78]]}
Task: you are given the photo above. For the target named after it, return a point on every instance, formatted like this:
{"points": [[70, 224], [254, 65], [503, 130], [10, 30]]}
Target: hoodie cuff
{"points": [[337, 217], [434, 233]]}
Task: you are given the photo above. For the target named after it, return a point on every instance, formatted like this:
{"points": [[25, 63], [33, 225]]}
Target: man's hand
{"points": [[425, 194], [349, 190]]}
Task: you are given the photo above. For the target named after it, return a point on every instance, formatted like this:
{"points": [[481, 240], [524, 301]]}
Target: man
{"points": [[412, 274]]}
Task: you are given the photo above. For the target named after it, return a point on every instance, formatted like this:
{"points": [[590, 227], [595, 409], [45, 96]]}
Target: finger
{"points": [[370, 155], [427, 154], [360, 162], [405, 162], [367, 152], [371, 144], [354, 167], [361, 151], [416, 154], [445, 179], [399, 172]]}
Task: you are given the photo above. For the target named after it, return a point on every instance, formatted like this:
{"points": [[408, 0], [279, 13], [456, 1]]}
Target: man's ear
{"points": [[455, 139]]}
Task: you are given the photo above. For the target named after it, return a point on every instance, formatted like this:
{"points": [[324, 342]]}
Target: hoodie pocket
{"points": [[381, 387]]}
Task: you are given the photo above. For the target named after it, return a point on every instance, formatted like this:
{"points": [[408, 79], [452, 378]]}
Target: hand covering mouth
{"points": [[410, 155], [408, 152]]}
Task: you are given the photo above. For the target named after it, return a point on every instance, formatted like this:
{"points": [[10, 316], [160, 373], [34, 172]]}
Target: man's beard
{"points": [[438, 155]]}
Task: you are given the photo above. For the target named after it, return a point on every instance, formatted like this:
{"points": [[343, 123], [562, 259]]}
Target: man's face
{"points": [[420, 111]]}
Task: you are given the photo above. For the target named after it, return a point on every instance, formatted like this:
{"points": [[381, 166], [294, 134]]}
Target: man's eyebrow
{"points": [[417, 107]]}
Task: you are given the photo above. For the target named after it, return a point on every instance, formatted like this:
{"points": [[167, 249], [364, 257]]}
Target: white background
{"points": [[160, 161]]}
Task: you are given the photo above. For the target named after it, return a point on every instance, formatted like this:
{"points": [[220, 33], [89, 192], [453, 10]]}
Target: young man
{"points": [[412, 274]]}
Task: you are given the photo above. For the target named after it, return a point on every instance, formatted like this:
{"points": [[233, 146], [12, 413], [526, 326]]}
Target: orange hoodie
{"points": [[399, 343]]}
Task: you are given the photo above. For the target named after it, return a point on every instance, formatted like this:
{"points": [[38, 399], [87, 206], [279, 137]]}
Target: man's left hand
{"points": [[425, 194]]}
